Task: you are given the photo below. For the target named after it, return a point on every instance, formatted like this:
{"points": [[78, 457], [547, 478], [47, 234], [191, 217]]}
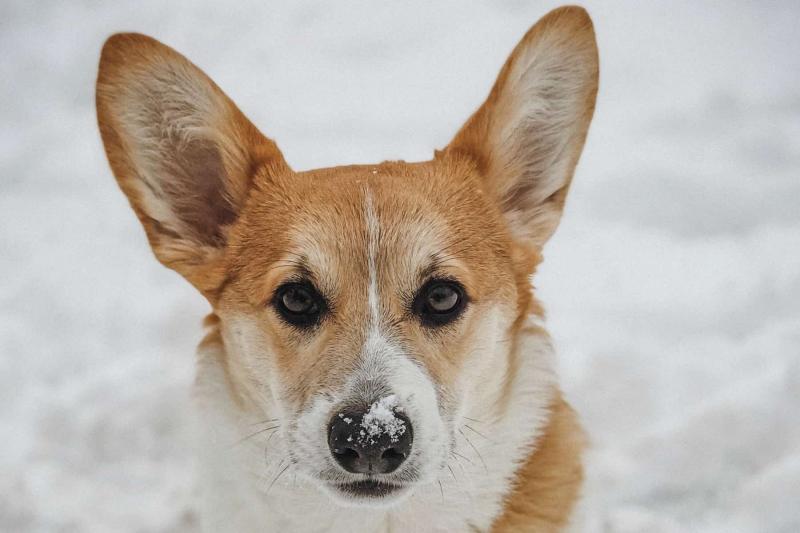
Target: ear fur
{"points": [[180, 149], [527, 136]]}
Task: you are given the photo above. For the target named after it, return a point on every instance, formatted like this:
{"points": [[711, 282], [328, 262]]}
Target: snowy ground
{"points": [[673, 285]]}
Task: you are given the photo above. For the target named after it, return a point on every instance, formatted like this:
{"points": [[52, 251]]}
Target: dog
{"points": [[375, 359]]}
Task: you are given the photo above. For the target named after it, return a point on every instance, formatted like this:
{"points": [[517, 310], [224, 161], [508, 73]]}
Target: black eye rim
{"points": [[306, 319], [431, 317]]}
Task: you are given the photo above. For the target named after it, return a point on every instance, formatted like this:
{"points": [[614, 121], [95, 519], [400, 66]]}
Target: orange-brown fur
{"points": [[549, 483]]}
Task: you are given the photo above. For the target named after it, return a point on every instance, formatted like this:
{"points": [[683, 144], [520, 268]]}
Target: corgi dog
{"points": [[375, 359]]}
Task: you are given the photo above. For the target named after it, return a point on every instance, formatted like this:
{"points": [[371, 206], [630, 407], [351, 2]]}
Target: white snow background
{"points": [[673, 284]]}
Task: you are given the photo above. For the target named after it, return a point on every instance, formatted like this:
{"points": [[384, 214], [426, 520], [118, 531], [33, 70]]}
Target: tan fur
{"points": [[548, 484], [220, 206]]}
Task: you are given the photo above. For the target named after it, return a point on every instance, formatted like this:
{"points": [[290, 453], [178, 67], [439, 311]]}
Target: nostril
{"points": [[391, 459], [347, 454], [393, 455]]}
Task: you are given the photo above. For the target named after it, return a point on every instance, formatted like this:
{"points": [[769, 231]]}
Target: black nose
{"points": [[370, 442]]}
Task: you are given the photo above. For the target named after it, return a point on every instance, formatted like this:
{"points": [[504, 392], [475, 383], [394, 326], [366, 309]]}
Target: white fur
{"points": [[373, 235], [244, 489]]}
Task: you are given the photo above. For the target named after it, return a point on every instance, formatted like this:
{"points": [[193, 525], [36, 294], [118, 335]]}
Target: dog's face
{"points": [[370, 306], [351, 285]]}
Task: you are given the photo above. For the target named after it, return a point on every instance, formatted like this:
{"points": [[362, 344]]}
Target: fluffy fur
{"points": [[495, 445]]}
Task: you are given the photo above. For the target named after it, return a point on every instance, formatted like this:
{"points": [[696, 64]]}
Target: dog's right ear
{"points": [[180, 149]]}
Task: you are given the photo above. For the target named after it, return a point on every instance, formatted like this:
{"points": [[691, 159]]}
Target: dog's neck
{"points": [[248, 483]]}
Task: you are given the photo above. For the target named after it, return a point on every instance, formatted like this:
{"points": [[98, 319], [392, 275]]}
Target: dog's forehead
{"points": [[404, 217], [335, 208], [357, 215], [376, 202]]}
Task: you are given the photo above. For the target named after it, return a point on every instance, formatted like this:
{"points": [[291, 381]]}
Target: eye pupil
{"points": [[297, 300], [299, 304], [442, 299]]}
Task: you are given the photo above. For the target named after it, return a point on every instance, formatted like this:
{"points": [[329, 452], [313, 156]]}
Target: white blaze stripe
{"points": [[373, 234], [376, 346]]}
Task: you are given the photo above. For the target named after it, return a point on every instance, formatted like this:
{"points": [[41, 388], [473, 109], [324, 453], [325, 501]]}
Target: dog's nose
{"points": [[373, 442]]}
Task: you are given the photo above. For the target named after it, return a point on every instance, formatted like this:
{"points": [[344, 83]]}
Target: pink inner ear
{"points": [[179, 147], [195, 188]]}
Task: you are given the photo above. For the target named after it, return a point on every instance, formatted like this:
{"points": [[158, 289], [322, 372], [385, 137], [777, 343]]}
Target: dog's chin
{"points": [[368, 492]]}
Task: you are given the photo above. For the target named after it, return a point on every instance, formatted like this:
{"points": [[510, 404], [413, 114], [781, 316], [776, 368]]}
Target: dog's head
{"points": [[371, 308]]}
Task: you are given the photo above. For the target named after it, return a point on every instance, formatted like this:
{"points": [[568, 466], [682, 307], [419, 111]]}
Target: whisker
{"points": [[285, 263], [475, 450], [254, 434], [463, 457], [285, 468], [262, 476], [462, 484], [473, 420], [441, 489], [478, 433], [458, 462], [268, 421]]}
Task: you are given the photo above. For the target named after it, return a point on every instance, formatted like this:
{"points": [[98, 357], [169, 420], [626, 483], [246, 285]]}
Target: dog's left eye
{"points": [[299, 304], [439, 302]]}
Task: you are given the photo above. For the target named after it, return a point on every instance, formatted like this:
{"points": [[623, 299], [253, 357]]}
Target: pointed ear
{"points": [[181, 151], [527, 137]]}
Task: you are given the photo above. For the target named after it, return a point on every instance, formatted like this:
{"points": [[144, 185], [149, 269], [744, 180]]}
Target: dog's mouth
{"points": [[368, 489]]}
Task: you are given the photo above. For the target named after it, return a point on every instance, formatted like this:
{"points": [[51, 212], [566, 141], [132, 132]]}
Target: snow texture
{"points": [[672, 286], [381, 420]]}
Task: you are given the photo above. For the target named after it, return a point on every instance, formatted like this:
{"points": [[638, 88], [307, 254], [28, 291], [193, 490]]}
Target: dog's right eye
{"points": [[299, 304]]}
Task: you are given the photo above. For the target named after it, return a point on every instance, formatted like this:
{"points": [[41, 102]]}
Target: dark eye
{"points": [[439, 302], [299, 304]]}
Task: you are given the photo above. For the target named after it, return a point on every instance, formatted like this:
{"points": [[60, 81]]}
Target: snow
{"points": [[672, 286], [382, 420]]}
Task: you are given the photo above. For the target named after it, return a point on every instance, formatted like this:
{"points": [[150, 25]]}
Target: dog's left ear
{"points": [[527, 137]]}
